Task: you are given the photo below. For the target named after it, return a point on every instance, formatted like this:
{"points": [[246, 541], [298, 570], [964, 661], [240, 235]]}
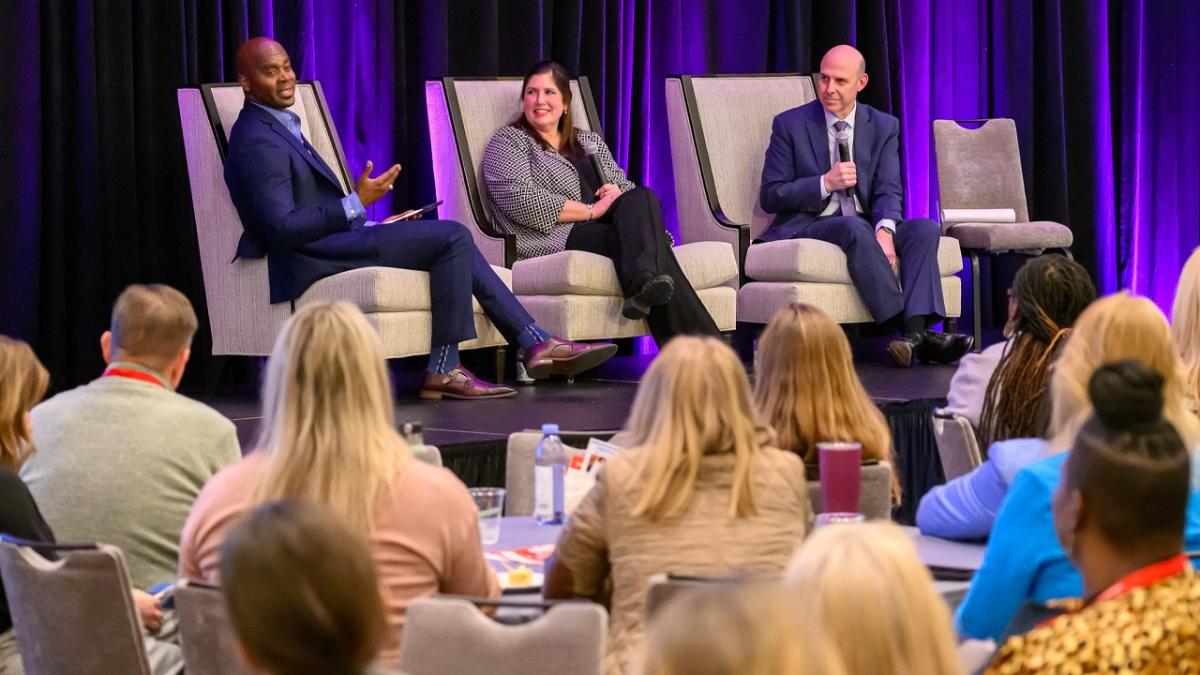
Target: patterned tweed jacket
{"points": [[527, 186]]}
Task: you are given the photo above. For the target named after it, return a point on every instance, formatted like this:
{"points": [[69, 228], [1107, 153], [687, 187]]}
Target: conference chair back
{"points": [[451, 635], [205, 633], [518, 472], [73, 615], [957, 444], [664, 588], [874, 492], [243, 321]]}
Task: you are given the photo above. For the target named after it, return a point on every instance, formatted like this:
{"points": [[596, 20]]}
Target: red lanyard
{"points": [[1144, 577], [133, 375]]}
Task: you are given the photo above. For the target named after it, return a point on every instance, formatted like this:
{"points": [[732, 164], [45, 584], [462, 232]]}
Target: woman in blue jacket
{"points": [[1023, 561]]}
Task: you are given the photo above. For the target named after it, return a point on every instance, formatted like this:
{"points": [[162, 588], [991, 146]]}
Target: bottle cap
{"points": [[549, 429]]}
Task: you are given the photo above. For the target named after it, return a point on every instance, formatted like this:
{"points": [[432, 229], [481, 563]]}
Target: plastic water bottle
{"points": [[549, 466]]}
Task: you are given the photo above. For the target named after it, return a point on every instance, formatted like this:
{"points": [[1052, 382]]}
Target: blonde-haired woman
{"points": [[1185, 325], [808, 391], [1023, 560], [1114, 328], [697, 492], [329, 436], [869, 590], [732, 629]]}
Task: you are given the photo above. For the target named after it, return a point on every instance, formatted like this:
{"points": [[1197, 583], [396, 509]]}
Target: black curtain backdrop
{"points": [[94, 192]]}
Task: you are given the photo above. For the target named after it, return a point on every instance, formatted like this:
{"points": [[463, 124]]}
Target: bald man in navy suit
{"points": [[295, 213], [857, 205]]}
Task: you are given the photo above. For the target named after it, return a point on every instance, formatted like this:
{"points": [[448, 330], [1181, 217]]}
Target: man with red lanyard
{"points": [[121, 459], [1120, 513]]}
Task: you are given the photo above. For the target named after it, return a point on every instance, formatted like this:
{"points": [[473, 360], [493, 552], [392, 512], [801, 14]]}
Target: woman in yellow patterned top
{"points": [[1119, 513]]}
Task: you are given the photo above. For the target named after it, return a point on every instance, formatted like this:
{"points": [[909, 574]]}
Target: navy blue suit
{"points": [[290, 204], [798, 156]]}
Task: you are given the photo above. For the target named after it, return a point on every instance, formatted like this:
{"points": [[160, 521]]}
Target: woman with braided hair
{"points": [[1046, 297], [1117, 327]]}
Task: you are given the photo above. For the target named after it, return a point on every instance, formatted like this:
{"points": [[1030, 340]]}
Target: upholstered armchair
{"points": [[574, 294], [720, 126], [395, 301]]}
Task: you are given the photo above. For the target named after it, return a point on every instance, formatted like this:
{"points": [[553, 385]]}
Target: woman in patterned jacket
{"points": [[1120, 512], [543, 190]]}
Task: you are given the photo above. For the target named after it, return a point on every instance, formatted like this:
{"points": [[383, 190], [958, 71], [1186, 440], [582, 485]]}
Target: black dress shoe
{"points": [[654, 292], [943, 347]]}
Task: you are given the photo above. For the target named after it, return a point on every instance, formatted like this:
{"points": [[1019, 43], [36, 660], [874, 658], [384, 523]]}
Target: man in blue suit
{"points": [[856, 204], [295, 213]]}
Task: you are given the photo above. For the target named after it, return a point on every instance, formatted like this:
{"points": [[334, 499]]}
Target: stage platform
{"points": [[472, 435]]}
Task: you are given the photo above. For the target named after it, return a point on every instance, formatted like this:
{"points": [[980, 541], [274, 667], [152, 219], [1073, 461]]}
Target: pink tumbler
{"points": [[841, 473]]}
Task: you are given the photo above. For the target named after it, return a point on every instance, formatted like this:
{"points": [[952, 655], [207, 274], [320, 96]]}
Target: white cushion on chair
{"points": [[812, 260], [566, 273], [705, 264], [382, 289]]}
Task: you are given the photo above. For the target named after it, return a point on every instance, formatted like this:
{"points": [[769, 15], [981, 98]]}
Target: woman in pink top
{"points": [[329, 436]]}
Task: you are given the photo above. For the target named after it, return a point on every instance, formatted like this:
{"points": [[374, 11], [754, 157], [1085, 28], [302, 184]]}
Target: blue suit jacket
{"points": [[798, 156], [290, 205]]}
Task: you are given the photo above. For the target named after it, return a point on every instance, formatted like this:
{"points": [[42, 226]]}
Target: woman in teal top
{"points": [[1023, 561]]}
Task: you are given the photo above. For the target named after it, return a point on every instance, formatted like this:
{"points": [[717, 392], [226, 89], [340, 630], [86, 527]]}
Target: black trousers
{"points": [[631, 234]]}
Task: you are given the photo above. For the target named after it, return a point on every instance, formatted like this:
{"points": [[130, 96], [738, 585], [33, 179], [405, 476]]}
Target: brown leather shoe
{"points": [[557, 356], [901, 351], [460, 383]]}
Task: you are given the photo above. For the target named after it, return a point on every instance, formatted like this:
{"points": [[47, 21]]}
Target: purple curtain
{"points": [[95, 192]]}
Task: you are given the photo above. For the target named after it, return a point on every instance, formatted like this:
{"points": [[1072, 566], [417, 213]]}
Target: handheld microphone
{"points": [[590, 149], [843, 145]]}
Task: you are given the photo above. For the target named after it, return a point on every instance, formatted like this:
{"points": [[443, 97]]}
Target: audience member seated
{"points": [[735, 629], [121, 460], [1185, 325], [1024, 561], [875, 599], [1120, 511], [1048, 294], [1113, 328], [697, 492], [302, 593], [329, 436], [808, 391], [25, 381], [543, 190]]}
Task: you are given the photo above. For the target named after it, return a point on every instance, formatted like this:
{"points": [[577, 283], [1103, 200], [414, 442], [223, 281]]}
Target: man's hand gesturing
{"points": [[371, 189]]}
